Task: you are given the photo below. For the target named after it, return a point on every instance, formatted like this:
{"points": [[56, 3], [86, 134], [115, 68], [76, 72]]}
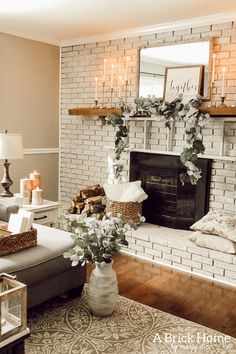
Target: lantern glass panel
{"points": [[10, 313], [13, 305]]}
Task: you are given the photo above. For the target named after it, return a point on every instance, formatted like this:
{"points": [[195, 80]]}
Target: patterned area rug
{"points": [[68, 327]]}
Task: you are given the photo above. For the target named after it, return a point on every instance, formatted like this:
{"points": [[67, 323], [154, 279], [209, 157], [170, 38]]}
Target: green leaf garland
{"points": [[167, 112]]}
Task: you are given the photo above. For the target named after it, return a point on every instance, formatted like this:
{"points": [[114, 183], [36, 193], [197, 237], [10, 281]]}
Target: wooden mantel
{"points": [[100, 112], [219, 111]]}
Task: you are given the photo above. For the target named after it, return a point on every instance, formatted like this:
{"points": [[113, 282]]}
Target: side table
{"points": [[15, 344], [46, 213]]}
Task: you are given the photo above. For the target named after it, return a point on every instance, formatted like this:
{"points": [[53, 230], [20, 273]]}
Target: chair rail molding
{"points": [[39, 151]]}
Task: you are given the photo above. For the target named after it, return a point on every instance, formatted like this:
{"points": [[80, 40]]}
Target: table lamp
{"points": [[11, 148]]}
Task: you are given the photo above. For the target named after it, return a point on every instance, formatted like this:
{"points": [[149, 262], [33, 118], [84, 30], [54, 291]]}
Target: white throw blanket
{"points": [[125, 192]]}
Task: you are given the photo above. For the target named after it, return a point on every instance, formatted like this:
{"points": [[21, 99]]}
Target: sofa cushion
{"points": [[51, 244], [43, 268], [5, 211]]}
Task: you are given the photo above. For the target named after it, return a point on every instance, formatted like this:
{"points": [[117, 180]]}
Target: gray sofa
{"points": [[5, 212], [43, 268]]}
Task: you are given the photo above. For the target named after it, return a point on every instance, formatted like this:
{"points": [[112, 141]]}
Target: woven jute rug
{"points": [[68, 326]]}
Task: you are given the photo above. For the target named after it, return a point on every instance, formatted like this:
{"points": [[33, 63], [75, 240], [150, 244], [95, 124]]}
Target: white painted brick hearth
{"points": [[83, 140], [171, 247]]}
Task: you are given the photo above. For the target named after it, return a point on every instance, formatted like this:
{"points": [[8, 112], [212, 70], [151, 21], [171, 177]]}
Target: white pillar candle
{"points": [[96, 88], [112, 74], [36, 179], [25, 189], [127, 69], [104, 70], [213, 69], [18, 199], [223, 83], [37, 196]]}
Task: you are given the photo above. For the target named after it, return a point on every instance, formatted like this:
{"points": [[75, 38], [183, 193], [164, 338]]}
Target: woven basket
{"points": [[12, 243], [130, 210]]}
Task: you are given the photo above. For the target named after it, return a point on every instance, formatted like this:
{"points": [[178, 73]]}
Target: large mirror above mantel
{"points": [[155, 60], [153, 64]]}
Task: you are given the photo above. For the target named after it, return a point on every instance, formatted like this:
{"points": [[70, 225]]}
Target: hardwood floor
{"points": [[181, 294]]}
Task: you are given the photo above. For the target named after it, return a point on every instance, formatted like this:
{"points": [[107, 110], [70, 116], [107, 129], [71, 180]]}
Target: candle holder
{"points": [[103, 92], [211, 94], [126, 91], [96, 103], [222, 104], [111, 96], [120, 100]]}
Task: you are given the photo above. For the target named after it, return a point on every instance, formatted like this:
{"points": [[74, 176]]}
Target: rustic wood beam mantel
{"points": [[219, 111], [100, 112]]}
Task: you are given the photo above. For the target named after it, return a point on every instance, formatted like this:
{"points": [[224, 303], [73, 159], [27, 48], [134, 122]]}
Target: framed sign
{"points": [[185, 80]]}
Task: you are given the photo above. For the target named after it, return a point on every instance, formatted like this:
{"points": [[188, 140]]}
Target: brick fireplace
{"points": [[84, 140]]}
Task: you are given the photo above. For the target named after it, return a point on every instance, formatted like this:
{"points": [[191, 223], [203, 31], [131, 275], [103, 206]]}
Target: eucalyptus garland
{"points": [[120, 143], [167, 112]]}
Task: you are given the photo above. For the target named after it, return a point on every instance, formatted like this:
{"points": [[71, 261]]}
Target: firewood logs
{"points": [[90, 200]]}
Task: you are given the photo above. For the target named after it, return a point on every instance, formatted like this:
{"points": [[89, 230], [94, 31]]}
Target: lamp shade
{"points": [[11, 147]]}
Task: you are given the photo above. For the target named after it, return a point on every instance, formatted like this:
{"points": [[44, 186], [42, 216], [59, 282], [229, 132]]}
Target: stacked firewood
{"points": [[90, 200]]}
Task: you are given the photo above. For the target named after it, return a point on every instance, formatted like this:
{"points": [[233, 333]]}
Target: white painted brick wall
{"points": [[230, 274], [162, 248], [213, 269], [191, 263], [86, 138], [198, 251], [83, 140], [221, 256], [182, 254], [201, 259]]}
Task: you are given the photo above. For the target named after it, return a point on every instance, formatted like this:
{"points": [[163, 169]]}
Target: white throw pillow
{"points": [[213, 242], [217, 223], [133, 193], [114, 191]]}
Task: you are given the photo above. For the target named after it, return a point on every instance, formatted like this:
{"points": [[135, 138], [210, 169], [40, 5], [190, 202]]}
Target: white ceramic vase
{"points": [[102, 290]]}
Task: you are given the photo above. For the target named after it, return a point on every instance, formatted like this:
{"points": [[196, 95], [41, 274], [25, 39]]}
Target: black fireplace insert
{"points": [[170, 203]]}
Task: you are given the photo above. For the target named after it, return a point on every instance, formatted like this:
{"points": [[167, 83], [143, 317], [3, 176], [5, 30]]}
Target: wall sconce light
{"points": [[11, 148]]}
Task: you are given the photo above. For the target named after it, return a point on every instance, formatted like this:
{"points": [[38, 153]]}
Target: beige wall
{"points": [[47, 164], [29, 94]]}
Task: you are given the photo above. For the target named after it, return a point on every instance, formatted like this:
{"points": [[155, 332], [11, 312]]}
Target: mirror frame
{"points": [[210, 79]]}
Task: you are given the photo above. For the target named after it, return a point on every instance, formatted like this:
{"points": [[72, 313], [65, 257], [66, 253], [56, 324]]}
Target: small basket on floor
{"points": [[130, 210]]}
